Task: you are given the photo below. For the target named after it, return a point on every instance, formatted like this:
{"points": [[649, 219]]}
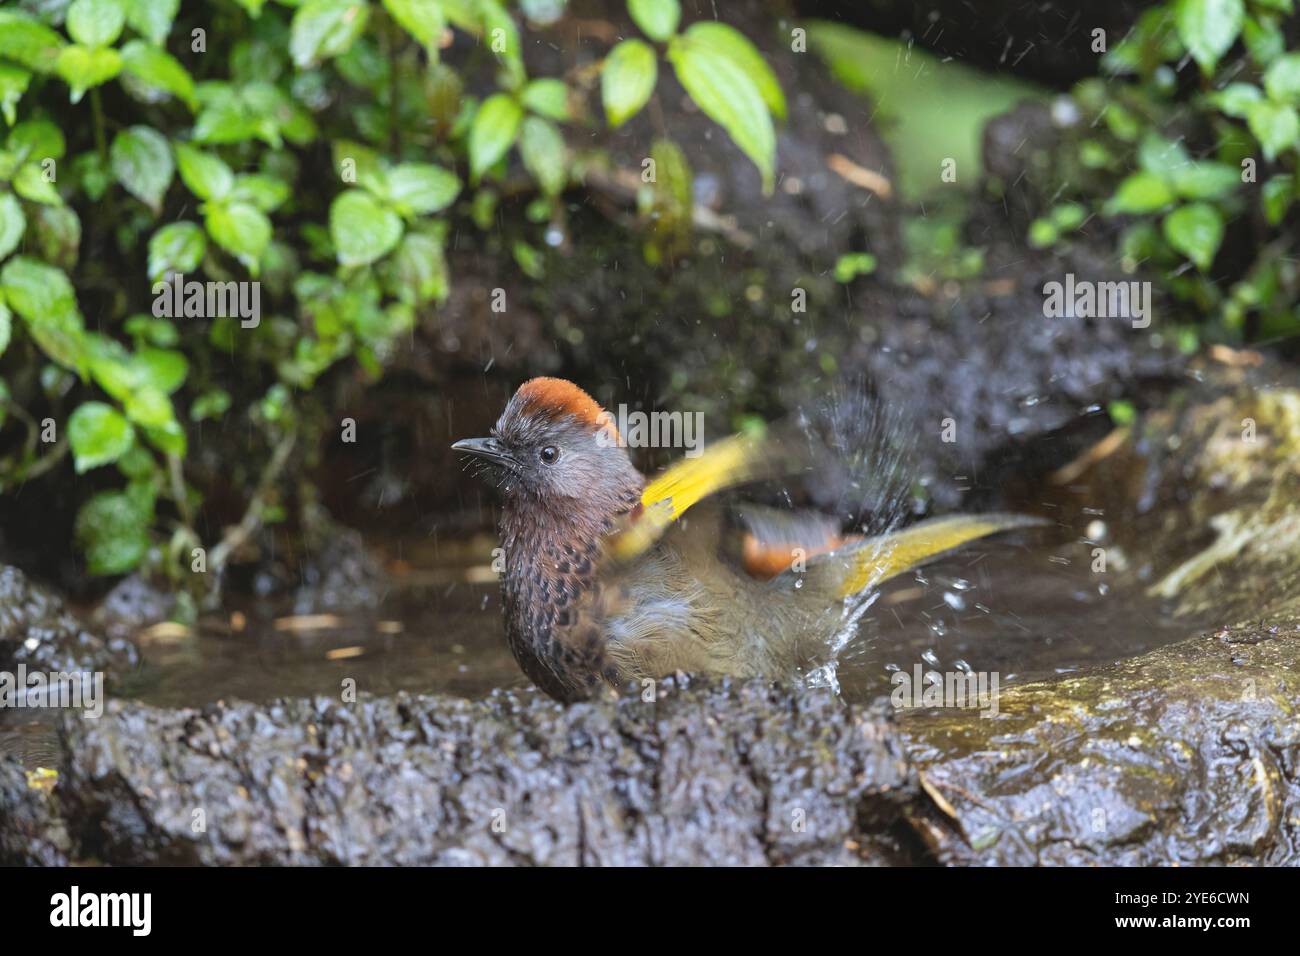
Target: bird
{"points": [[611, 579]]}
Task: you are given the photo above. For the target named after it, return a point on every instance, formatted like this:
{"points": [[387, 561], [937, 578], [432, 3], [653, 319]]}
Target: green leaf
{"points": [[149, 407], [1121, 412], [627, 80], [360, 164], [35, 140], [1139, 193], [421, 188], [1068, 216], [12, 224], [147, 329], [137, 463], [99, 435], [163, 369], [37, 290], [736, 47], [1235, 99], [1208, 28], [112, 529], [322, 29], [43, 296], [225, 117], [493, 132], [212, 404], [152, 19], [176, 247], [728, 97], [1204, 180], [547, 97], [57, 236], [13, 84], [422, 19], [853, 264], [1275, 125], [544, 154], [1264, 40], [159, 71], [1282, 81], [362, 230], [418, 272], [26, 40], [83, 68], [205, 175], [241, 229], [1158, 155], [109, 364], [31, 183], [168, 438], [265, 192], [657, 19], [1043, 234], [1277, 196], [95, 23], [502, 37], [1195, 230], [142, 163], [377, 326]]}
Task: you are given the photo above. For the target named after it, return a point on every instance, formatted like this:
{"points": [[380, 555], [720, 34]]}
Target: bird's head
{"points": [[554, 446]]}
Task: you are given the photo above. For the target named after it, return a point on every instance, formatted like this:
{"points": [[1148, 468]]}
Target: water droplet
{"points": [[892, 668], [962, 666], [954, 601], [930, 657]]}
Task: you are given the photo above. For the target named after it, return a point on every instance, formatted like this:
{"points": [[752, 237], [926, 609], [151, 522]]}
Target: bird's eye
{"points": [[550, 454]]}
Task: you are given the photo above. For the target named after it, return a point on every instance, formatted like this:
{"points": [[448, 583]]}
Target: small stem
{"points": [[45, 463], [177, 476], [252, 519], [101, 139]]}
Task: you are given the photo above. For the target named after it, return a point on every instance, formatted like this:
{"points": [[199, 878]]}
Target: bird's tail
{"points": [[876, 560]]}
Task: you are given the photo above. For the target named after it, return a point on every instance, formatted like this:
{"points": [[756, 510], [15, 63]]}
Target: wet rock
{"points": [[37, 630], [1188, 755], [1017, 386], [708, 774], [340, 574], [133, 604], [31, 833]]}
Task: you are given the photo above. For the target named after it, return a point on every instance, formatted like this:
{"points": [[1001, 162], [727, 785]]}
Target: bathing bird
{"points": [[609, 577]]}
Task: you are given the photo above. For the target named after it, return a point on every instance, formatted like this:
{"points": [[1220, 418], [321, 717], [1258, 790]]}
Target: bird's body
{"points": [[609, 579]]}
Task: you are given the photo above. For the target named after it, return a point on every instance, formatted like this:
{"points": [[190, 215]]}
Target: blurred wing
{"points": [[774, 539], [722, 465]]}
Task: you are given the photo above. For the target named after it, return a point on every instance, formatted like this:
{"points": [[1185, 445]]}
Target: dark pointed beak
{"points": [[487, 448]]}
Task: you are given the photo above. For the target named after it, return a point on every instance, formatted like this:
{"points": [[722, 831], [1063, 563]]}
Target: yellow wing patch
{"points": [[722, 465]]}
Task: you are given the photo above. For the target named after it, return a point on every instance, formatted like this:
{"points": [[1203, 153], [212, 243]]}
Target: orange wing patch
{"points": [[764, 560]]}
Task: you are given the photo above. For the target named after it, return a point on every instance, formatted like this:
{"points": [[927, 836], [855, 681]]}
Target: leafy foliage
{"points": [[1199, 134], [316, 147]]}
